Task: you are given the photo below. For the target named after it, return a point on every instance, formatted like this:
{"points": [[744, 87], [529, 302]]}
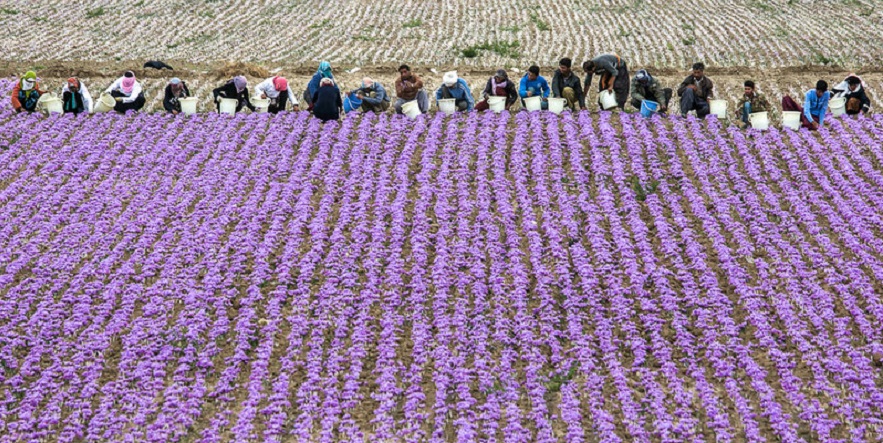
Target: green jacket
{"points": [[651, 91], [759, 103]]}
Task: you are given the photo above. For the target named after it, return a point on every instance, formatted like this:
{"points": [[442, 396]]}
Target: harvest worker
{"points": [[498, 85], [409, 87], [373, 95], [532, 84], [812, 114], [175, 90], [26, 93], [853, 90], [454, 87], [235, 88], [646, 87], [324, 71], [695, 91], [75, 97], [567, 85], [327, 104], [127, 92], [614, 76], [751, 102], [276, 89]]}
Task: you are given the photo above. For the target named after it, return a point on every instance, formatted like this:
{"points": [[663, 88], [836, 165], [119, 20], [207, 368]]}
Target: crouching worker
{"points": [[175, 90], [498, 86], [323, 72], [853, 90], [26, 93], [235, 88], [695, 91], [373, 95], [454, 87], [532, 85], [409, 87], [566, 85], [751, 102], [646, 87], [327, 104], [815, 104], [277, 90], [127, 92], [75, 97]]}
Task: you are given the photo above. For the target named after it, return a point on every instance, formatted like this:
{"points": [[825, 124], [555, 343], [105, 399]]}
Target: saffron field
{"points": [[519, 277]]}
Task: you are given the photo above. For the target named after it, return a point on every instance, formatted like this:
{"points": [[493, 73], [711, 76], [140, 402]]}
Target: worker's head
{"points": [[405, 71], [325, 69], [73, 84], [642, 77], [589, 67], [500, 76], [367, 82], [853, 83], [821, 87], [749, 88], [280, 83], [326, 82], [564, 66], [533, 72], [698, 70], [450, 78]]}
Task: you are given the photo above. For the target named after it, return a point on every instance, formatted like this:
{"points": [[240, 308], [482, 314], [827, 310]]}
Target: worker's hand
{"points": [[610, 89], [663, 108], [174, 112], [118, 99], [296, 107], [530, 93], [582, 108], [815, 125], [263, 95], [19, 109]]}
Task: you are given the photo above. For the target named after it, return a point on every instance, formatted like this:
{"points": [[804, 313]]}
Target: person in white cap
{"points": [[456, 88]]}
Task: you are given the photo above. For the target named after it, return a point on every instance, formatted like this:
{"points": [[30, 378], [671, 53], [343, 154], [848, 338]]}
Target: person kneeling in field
{"points": [[26, 93], [373, 95], [853, 90], [812, 114], [127, 92], [75, 97], [532, 84], [454, 87], [409, 87], [327, 104], [614, 76], [235, 88], [277, 90], [323, 72], [498, 86], [175, 90], [695, 91], [751, 102], [566, 85], [646, 87]]}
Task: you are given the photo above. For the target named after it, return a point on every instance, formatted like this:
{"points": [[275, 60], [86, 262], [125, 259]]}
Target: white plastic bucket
{"points": [[228, 105], [791, 120], [759, 120], [51, 103], [104, 103], [718, 108], [556, 105], [496, 104], [534, 103], [411, 109], [447, 105], [260, 104], [838, 106], [188, 105], [608, 100]]}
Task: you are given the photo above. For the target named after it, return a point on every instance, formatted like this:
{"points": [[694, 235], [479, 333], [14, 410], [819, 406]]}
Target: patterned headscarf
{"points": [[325, 70], [73, 84], [29, 81], [177, 86]]}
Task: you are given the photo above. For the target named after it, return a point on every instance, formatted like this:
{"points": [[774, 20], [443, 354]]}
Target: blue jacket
{"points": [[313, 85], [540, 84], [815, 105], [459, 92]]}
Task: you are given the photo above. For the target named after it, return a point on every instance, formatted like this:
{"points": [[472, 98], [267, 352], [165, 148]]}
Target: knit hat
{"points": [[280, 83], [450, 78], [241, 83]]}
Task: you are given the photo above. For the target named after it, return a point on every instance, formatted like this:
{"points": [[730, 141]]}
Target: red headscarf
{"points": [[73, 84], [280, 83]]}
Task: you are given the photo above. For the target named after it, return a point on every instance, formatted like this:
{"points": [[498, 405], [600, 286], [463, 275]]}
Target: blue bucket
{"points": [[351, 102], [648, 108]]}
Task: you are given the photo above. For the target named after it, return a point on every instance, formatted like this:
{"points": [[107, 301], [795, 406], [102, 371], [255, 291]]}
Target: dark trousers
{"points": [[692, 102], [123, 107], [279, 103], [788, 104], [621, 85], [461, 103]]}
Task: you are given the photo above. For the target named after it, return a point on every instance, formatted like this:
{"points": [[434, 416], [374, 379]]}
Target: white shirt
{"points": [[87, 98], [118, 86], [266, 88]]}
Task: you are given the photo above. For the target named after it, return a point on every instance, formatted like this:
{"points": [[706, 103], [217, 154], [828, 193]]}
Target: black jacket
{"points": [[559, 83], [511, 90], [861, 96], [73, 102], [228, 90], [327, 103], [170, 102]]}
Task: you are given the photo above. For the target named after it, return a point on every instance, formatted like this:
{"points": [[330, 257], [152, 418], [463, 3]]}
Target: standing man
{"points": [[373, 95], [646, 87], [410, 87], [534, 84], [566, 85], [751, 102], [456, 88], [815, 104], [695, 91], [614, 76]]}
